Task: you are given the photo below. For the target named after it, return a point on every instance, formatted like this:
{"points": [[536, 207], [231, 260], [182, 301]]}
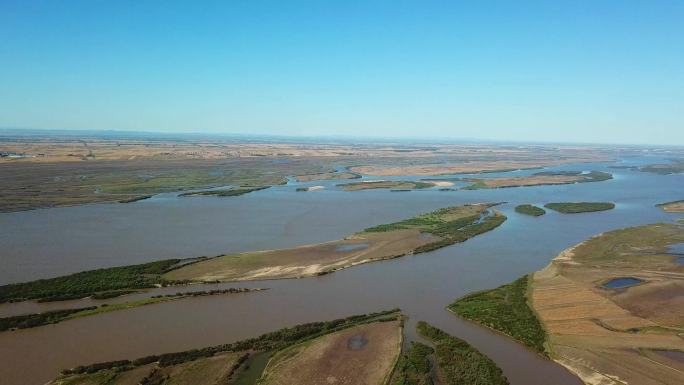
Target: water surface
{"points": [[620, 283]]}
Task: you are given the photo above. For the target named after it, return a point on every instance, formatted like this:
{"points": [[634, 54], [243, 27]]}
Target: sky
{"points": [[567, 71]]}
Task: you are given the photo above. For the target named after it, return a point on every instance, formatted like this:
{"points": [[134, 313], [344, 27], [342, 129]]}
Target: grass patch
{"points": [[530, 210], [579, 207], [504, 309], [413, 367], [459, 363]]}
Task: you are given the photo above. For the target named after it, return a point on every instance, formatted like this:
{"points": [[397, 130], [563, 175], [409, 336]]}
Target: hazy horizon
{"points": [[580, 72]]}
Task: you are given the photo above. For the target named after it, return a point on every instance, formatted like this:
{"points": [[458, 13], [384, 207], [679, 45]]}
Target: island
{"points": [[579, 207], [609, 307], [232, 192], [386, 184], [544, 178], [672, 207], [530, 210], [327, 176]]}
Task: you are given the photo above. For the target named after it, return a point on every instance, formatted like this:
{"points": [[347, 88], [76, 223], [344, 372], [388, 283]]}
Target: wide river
{"points": [[50, 242]]}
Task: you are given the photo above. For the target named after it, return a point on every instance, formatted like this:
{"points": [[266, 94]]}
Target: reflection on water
{"points": [[49, 242]]}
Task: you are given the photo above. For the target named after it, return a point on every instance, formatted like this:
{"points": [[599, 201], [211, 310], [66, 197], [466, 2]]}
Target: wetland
{"points": [[237, 224]]}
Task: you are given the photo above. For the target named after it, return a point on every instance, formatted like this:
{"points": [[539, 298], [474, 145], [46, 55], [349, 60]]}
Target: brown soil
{"points": [[363, 355]]}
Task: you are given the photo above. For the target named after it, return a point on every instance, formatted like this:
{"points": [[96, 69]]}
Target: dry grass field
{"points": [[534, 180], [362, 355], [306, 260], [611, 336]]}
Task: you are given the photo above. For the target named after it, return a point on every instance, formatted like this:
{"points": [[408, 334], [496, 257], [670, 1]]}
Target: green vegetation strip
{"points": [[267, 342], [86, 283], [459, 363], [530, 210], [225, 193], [414, 367], [450, 231], [579, 207], [504, 309], [56, 316]]}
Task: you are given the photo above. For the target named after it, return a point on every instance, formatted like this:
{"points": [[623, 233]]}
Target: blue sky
{"points": [[581, 70]]}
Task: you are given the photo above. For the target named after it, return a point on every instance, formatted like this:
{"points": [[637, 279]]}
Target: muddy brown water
{"points": [[45, 243]]}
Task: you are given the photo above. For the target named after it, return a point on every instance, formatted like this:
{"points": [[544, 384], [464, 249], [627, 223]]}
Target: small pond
{"points": [[350, 247], [619, 283]]}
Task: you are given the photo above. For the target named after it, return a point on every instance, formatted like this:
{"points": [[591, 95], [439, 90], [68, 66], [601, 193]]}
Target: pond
{"points": [[620, 283]]}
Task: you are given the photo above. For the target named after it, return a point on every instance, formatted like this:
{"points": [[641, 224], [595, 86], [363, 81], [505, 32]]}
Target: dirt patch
{"points": [[363, 355]]}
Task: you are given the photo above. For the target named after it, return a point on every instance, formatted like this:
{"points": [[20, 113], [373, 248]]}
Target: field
{"points": [[362, 355], [609, 336], [530, 210], [579, 207], [506, 310], [672, 207], [422, 233], [227, 364], [538, 179], [385, 184]]}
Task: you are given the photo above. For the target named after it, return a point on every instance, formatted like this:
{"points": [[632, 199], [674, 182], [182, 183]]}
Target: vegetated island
{"points": [[672, 207], [601, 332], [675, 167], [362, 349], [135, 198], [386, 184], [55, 316], [579, 207], [544, 178], [327, 176], [530, 210], [456, 361], [107, 282], [244, 361], [232, 192], [506, 310], [422, 233]]}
